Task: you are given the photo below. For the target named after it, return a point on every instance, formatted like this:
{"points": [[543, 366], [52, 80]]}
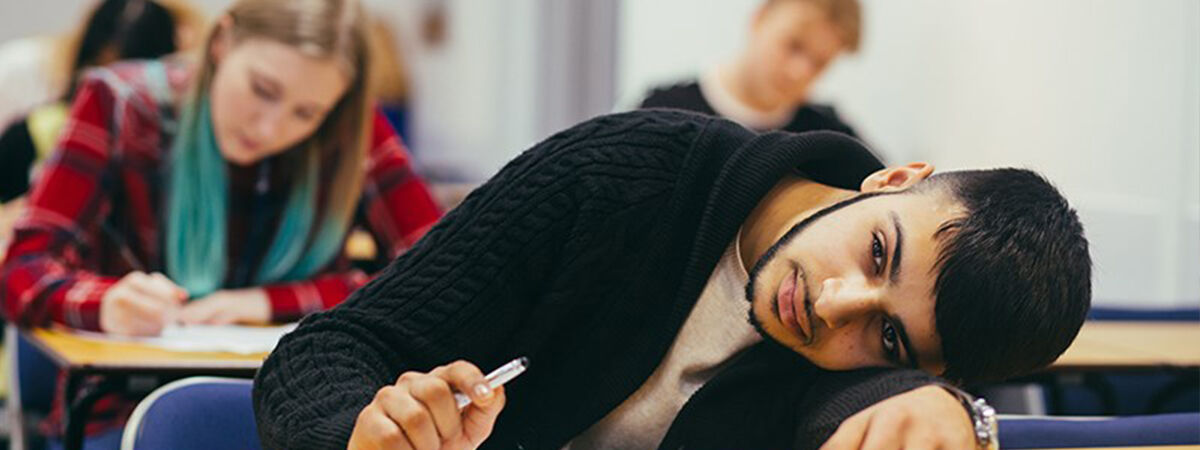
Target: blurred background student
{"points": [[42, 68], [767, 85], [115, 30], [38, 76], [216, 191]]}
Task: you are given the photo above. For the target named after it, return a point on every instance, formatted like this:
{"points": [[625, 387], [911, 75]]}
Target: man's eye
{"points": [[889, 340], [877, 253]]}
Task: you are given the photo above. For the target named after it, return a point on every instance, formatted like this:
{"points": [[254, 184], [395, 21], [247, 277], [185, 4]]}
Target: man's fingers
{"points": [[478, 420], [885, 432], [435, 395], [923, 439], [850, 433], [425, 408], [466, 378], [411, 416], [381, 430]]}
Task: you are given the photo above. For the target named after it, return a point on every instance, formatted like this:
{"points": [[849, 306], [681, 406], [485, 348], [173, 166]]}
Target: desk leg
{"points": [[80, 396]]}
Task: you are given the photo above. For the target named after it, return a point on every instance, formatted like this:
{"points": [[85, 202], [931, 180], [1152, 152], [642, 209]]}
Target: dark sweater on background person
{"points": [[586, 254], [689, 97], [17, 155]]}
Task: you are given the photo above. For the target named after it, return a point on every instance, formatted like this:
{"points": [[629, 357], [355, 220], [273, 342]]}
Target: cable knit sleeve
{"points": [[836, 396], [459, 293]]}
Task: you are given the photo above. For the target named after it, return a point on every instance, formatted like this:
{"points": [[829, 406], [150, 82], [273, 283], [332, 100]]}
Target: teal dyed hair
{"points": [[197, 201], [197, 206], [198, 216]]}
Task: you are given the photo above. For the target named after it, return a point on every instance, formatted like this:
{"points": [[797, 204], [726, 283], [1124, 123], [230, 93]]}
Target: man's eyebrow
{"points": [[913, 360], [894, 277]]}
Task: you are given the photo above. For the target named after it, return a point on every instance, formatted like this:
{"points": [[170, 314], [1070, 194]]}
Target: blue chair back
{"points": [[194, 413], [1059, 432]]}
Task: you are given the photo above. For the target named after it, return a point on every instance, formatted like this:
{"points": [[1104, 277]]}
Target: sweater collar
{"points": [[746, 166]]}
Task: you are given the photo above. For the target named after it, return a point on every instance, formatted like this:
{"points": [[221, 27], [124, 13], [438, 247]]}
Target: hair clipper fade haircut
{"points": [[1014, 275]]}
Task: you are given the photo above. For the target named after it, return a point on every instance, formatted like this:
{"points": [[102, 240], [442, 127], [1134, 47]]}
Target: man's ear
{"points": [[897, 178]]}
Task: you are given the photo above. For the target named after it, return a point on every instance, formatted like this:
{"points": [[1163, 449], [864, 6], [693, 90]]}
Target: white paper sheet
{"points": [[208, 338]]}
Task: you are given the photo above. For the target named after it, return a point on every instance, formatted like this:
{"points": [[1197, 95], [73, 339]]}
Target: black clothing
{"points": [[585, 253], [688, 97]]}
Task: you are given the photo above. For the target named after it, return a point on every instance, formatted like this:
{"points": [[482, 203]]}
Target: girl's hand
{"points": [[248, 306], [140, 304]]}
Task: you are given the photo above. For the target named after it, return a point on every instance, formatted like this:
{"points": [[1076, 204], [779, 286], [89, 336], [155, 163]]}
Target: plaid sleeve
{"points": [[292, 301], [41, 280], [399, 210]]}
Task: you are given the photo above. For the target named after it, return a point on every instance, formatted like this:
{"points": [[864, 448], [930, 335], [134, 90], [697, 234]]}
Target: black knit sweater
{"points": [[688, 96], [585, 254]]}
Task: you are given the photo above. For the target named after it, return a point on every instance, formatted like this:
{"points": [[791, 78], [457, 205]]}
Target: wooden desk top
{"points": [[77, 352], [1132, 345]]}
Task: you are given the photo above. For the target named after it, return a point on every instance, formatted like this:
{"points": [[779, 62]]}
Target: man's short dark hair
{"points": [[1014, 275]]}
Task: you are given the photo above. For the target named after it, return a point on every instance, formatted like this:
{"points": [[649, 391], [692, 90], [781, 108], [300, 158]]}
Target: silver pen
{"points": [[496, 379]]}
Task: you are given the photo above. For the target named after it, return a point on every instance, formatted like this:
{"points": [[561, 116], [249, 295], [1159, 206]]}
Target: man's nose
{"points": [[844, 300], [800, 69]]}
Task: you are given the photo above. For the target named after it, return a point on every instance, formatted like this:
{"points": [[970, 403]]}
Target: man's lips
{"points": [[794, 311]]}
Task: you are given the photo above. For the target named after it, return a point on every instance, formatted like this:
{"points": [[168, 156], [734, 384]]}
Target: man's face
{"points": [[791, 44], [851, 286]]}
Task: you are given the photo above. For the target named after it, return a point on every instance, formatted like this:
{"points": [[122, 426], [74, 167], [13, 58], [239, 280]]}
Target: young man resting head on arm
{"points": [[623, 257]]}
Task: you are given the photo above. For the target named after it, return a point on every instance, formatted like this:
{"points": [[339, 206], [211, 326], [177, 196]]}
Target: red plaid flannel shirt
{"points": [[65, 253]]}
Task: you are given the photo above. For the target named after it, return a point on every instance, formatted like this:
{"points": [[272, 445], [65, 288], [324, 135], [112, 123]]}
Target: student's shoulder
{"points": [[684, 94], [819, 116], [138, 100], [144, 84]]}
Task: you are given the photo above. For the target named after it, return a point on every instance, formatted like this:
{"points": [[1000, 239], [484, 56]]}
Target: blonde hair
{"points": [[319, 28], [845, 15], [390, 73], [312, 228]]}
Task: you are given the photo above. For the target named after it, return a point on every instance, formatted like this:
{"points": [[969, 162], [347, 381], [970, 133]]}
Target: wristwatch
{"points": [[983, 418]]}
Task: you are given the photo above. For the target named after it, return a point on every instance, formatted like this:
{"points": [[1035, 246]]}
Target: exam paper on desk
{"points": [[207, 338]]}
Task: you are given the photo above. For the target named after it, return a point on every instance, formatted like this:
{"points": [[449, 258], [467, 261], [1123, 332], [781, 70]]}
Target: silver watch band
{"points": [[983, 417]]}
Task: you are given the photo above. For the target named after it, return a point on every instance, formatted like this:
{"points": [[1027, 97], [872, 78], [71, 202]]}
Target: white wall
{"points": [[471, 106], [1102, 96]]}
